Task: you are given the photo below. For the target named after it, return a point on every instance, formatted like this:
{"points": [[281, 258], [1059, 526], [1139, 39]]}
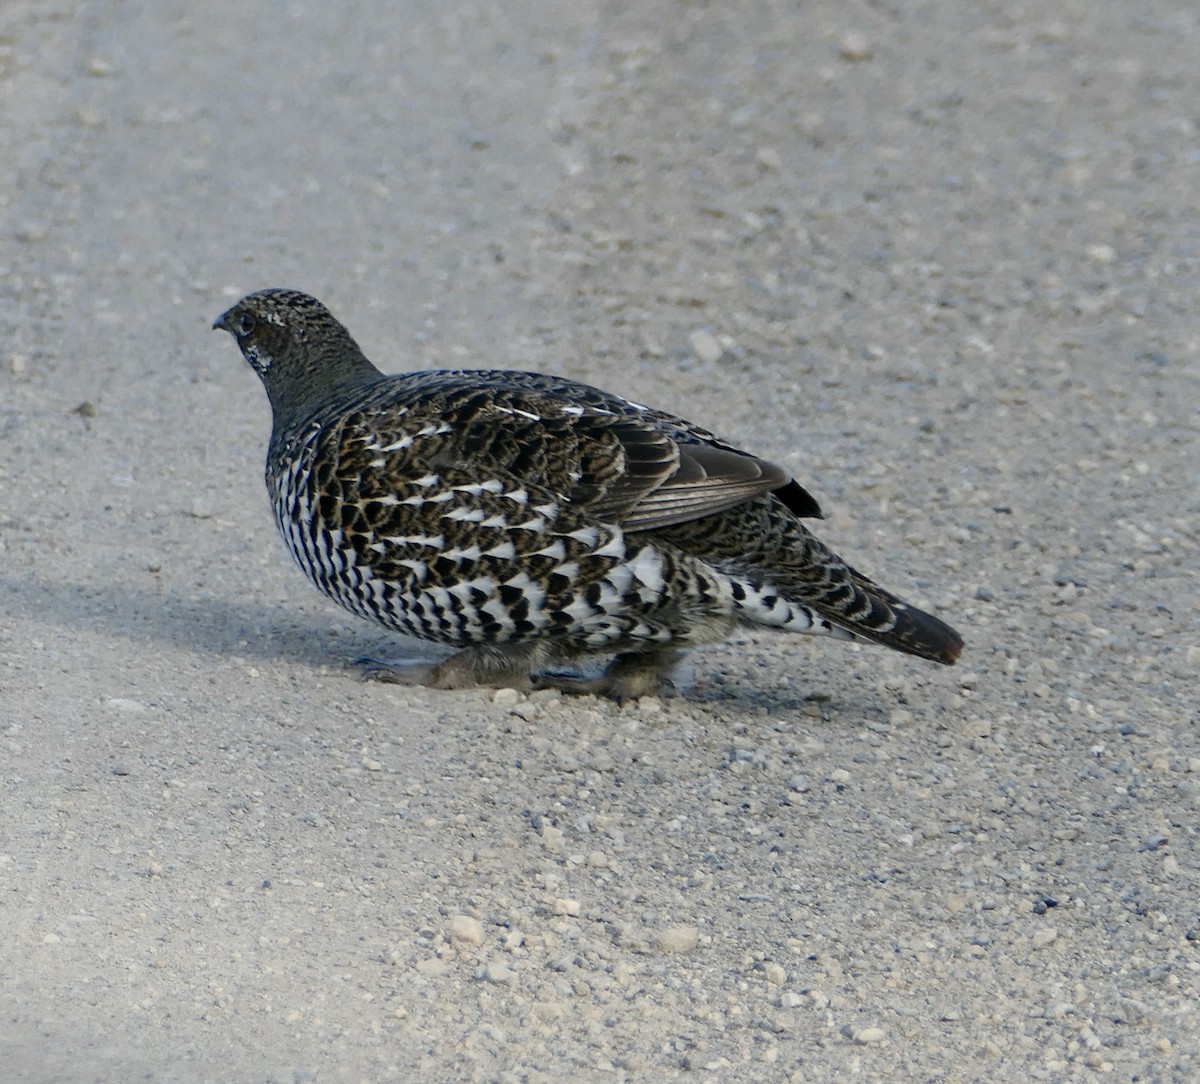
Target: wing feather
{"points": [[610, 459]]}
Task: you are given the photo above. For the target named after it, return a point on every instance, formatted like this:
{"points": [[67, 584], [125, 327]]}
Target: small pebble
{"points": [[769, 158], [775, 974], [466, 930], [854, 47], [496, 972], [506, 698], [866, 1036], [679, 939], [433, 968], [567, 907], [705, 346], [977, 728], [1041, 938], [1131, 1011], [89, 116]]}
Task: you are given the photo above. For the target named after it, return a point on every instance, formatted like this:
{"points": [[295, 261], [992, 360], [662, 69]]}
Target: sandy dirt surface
{"points": [[949, 257]]}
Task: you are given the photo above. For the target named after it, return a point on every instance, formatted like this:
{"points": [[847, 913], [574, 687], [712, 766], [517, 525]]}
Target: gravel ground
{"points": [[941, 259]]}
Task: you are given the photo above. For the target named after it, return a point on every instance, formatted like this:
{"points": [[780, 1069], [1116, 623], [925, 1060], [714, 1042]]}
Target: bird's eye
{"points": [[245, 325]]}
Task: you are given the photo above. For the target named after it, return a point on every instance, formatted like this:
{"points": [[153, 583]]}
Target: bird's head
{"points": [[300, 351], [273, 325]]}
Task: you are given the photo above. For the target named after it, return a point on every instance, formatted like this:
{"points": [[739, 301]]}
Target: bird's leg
{"points": [[630, 675], [490, 665]]}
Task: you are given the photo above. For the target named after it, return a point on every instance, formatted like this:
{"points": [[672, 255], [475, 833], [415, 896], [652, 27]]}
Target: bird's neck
{"points": [[315, 381]]}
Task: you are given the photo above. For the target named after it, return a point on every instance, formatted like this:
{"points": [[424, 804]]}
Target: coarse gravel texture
{"points": [[941, 259]]}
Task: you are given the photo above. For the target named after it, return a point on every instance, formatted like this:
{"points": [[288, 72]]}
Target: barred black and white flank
{"points": [[529, 519]]}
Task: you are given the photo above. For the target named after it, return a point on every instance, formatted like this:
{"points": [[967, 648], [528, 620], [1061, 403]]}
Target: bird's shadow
{"points": [[246, 628]]}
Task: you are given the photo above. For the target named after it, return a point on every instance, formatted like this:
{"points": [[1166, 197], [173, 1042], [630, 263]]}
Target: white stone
{"points": [[466, 930], [679, 939], [705, 346], [433, 968], [854, 46]]}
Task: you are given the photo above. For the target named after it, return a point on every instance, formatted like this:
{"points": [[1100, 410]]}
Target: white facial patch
{"points": [[259, 362]]}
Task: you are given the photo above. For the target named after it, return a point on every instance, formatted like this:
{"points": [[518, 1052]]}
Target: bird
{"points": [[533, 522]]}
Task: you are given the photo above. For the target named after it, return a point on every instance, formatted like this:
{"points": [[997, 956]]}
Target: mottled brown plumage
{"points": [[527, 519]]}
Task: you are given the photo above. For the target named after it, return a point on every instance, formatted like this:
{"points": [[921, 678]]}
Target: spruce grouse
{"points": [[528, 520]]}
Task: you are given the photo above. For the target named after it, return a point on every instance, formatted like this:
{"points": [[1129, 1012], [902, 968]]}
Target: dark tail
{"points": [[892, 622]]}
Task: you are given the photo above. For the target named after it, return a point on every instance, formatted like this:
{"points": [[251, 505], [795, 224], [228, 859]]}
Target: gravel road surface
{"points": [[940, 259]]}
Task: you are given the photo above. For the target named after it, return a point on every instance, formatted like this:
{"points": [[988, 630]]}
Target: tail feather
{"points": [[855, 609], [851, 606], [894, 623], [784, 577], [914, 632]]}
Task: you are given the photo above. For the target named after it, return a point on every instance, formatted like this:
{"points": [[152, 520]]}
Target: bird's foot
{"points": [[628, 677], [398, 672], [620, 691], [469, 669]]}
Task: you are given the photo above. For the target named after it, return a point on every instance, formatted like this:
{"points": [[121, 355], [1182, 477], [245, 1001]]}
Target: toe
{"points": [[404, 672]]}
